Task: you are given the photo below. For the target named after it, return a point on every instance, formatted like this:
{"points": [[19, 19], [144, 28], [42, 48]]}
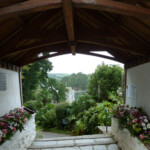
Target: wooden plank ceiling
{"points": [[30, 27]]}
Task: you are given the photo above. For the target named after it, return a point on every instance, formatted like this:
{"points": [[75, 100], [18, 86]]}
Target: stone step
{"points": [[102, 129], [46, 145], [93, 147], [93, 136]]}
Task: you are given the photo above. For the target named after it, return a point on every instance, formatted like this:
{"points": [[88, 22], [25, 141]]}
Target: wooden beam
{"points": [[120, 55], [31, 26], [99, 55], [30, 47], [50, 48], [106, 21], [44, 57], [68, 15], [114, 7], [29, 7], [107, 44]]}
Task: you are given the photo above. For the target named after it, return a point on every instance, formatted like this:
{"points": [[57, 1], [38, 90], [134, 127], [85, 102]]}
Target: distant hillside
{"points": [[58, 76]]}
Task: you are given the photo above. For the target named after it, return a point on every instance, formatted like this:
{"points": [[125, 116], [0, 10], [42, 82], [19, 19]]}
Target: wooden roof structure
{"points": [[30, 27]]}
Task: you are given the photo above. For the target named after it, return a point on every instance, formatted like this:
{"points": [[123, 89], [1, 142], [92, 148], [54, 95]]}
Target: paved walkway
{"points": [[86, 142]]}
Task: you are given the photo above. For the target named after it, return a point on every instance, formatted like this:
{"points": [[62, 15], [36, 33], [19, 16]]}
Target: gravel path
{"points": [[53, 135]]}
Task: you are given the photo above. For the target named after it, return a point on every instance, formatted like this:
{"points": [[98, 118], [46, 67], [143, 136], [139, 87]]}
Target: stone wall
{"points": [[10, 98], [125, 140], [22, 140]]}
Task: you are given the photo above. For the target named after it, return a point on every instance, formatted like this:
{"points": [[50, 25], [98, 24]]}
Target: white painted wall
{"points": [[140, 77], [10, 98]]}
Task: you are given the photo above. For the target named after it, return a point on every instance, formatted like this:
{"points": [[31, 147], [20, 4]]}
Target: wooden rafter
{"points": [[112, 45], [112, 26], [28, 28], [31, 47], [99, 55], [29, 6], [113, 6], [49, 48], [68, 15], [120, 55], [43, 57]]}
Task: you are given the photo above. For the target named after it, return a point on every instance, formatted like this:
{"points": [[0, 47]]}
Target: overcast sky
{"points": [[78, 63]]}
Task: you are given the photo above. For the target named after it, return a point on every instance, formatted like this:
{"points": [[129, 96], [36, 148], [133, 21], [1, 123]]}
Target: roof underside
{"points": [[30, 27]]}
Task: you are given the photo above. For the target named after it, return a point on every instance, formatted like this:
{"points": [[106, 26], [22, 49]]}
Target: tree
{"points": [[77, 81], [34, 75], [109, 78]]}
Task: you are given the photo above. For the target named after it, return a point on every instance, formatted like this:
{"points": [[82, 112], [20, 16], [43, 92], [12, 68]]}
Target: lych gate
{"points": [[30, 27]]}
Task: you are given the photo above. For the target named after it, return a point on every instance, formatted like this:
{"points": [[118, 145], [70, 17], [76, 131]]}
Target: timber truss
{"points": [[58, 27]]}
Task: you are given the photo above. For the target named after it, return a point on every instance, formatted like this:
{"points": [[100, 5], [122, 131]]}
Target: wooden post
{"points": [[125, 83], [20, 85]]}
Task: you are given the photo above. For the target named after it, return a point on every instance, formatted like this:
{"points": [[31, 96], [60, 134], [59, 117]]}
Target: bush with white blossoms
{"points": [[135, 120], [10, 123]]}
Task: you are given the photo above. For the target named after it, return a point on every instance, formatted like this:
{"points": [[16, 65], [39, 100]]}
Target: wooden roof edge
{"points": [[9, 66], [102, 5], [138, 61]]}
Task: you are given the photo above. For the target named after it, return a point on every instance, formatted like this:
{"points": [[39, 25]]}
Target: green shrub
{"points": [[84, 103], [34, 105], [87, 121], [46, 117], [61, 113]]}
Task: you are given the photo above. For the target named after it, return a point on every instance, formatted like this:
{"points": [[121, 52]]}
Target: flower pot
{"points": [[22, 140], [124, 138]]}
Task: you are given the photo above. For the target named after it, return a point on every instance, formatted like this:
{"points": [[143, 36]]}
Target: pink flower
{"points": [[141, 122], [135, 112], [1, 123], [12, 114], [4, 131], [7, 117], [25, 120], [14, 129], [122, 114], [135, 120], [20, 110], [0, 139], [142, 136]]}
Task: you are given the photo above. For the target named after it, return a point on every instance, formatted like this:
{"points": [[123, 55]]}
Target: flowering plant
{"points": [[135, 120], [10, 123]]}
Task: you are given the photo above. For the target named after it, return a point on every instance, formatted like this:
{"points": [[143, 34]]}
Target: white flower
{"points": [[148, 125], [145, 120], [128, 119], [15, 124], [144, 128], [143, 124]]}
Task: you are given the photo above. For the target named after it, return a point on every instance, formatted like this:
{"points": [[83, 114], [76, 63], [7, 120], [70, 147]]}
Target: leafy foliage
{"points": [[34, 105], [34, 75], [83, 103], [77, 81], [87, 121], [61, 113], [108, 78], [46, 117]]}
